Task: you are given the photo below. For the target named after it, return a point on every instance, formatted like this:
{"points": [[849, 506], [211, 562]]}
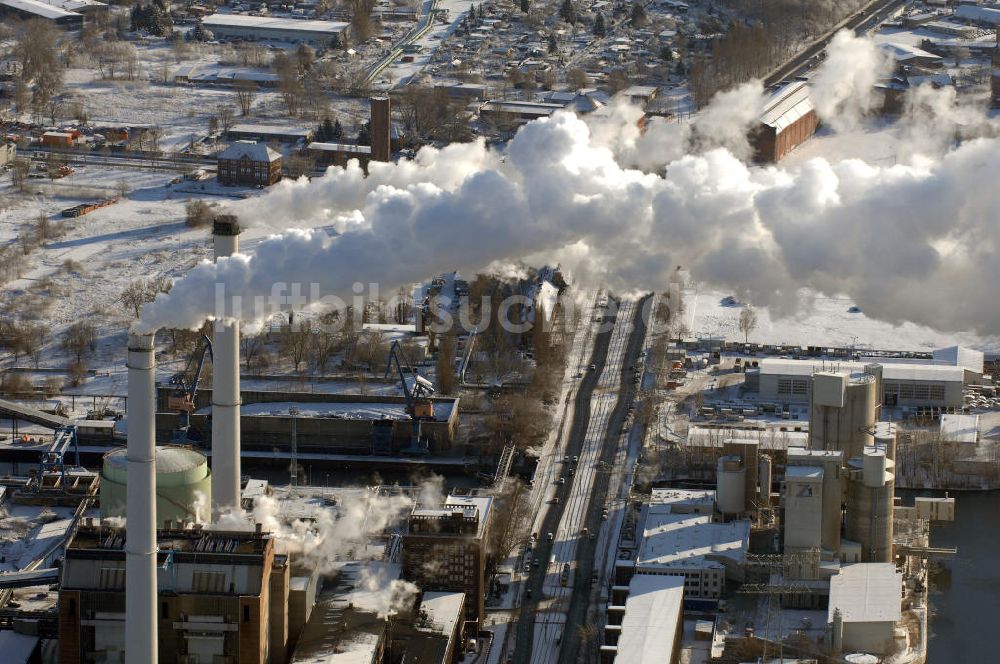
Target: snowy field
{"points": [[826, 322], [82, 274]]}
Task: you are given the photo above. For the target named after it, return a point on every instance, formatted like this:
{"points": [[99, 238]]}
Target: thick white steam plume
{"points": [[911, 241]]}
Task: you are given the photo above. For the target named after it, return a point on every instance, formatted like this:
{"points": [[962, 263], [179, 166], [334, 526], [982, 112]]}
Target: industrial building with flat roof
{"points": [[680, 539], [29, 9], [647, 628], [322, 34], [865, 607], [924, 385]]}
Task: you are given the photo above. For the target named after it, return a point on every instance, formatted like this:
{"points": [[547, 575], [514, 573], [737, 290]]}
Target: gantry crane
{"points": [[183, 403], [418, 403]]}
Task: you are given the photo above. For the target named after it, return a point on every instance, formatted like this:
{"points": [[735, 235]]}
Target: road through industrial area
{"points": [[579, 482]]}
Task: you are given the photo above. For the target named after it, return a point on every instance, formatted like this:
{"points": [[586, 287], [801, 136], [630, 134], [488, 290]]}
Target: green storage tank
{"points": [[183, 485]]}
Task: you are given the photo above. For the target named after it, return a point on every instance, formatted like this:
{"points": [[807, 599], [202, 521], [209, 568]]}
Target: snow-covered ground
{"points": [[826, 322]]}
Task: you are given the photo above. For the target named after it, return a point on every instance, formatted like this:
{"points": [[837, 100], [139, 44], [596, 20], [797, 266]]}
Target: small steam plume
{"points": [[910, 242], [377, 591], [843, 88], [330, 535]]}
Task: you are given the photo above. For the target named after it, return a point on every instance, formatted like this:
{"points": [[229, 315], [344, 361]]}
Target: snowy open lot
{"points": [[826, 321]]}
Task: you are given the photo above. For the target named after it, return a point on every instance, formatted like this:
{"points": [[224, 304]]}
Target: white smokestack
{"points": [[140, 536], [226, 388]]}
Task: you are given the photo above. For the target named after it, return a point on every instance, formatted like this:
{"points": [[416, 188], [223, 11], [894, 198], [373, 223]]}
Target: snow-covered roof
{"points": [[866, 592], [251, 150], [890, 371], [960, 356], [42, 9], [349, 148], [337, 409], [271, 23], [771, 437], [959, 428], [804, 473], [482, 503], [685, 541], [788, 104], [444, 609], [978, 14], [271, 130], [75, 5], [904, 52], [650, 624]]}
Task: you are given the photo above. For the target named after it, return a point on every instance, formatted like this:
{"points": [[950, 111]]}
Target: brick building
{"points": [[222, 597], [249, 163], [788, 120], [445, 548]]}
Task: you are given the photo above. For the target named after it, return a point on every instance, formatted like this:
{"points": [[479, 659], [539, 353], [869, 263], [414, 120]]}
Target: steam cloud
{"points": [[913, 241], [329, 536]]}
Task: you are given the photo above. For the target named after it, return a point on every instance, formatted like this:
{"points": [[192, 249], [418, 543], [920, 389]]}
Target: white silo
{"points": [[843, 409], [730, 495], [870, 493]]}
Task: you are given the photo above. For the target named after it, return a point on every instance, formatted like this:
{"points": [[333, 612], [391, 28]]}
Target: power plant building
{"points": [[214, 602]]}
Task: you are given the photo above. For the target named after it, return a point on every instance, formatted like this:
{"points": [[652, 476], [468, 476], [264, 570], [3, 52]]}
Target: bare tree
{"points": [[19, 173], [325, 344], [79, 339], [372, 351], [141, 291], [251, 346], [296, 341], [748, 322], [246, 92], [226, 115]]}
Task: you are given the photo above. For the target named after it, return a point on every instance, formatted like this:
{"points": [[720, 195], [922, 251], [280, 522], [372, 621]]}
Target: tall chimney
{"points": [[140, 511], [226, 388], [379, 128]]}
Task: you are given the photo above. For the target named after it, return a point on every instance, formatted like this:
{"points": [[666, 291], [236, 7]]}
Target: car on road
{"points": [[555, 500], [562, 480], [593, 535], [576, 459], [549, 537], [593, 366], [585, 532]]}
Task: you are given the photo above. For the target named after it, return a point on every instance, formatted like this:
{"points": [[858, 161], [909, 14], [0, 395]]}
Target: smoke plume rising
{"points": [[912, 241]]}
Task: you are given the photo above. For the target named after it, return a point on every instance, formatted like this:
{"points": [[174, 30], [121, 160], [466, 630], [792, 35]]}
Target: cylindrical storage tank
{"points": [[764, 479], [183, 485], [869, 512], [873, 468], [843, 425], [730, 492]]}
